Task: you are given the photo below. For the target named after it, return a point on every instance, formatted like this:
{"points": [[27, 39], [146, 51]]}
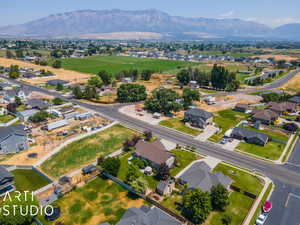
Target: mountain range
{"points": [[144, 24]]}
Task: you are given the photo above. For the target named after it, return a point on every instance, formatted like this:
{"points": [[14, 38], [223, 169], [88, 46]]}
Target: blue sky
{"points": [[270, 12]]}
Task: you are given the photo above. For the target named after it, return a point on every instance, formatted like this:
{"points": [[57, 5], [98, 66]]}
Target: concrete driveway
{"points": [[207, 133], [231, 145]]}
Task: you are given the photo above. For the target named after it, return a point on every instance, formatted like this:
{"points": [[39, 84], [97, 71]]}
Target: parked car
{"points": [[261, 219]]}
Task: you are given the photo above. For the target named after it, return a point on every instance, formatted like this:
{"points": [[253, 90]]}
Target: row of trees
{"points": [[88, 93], [219, 78], [168, 100]]}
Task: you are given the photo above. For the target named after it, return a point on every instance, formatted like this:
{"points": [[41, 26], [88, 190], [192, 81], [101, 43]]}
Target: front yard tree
{"points": [[189, 96], [59, 87], [18, 101], [131, 93], [14, 72], [219, 197], [146, 74], [39, 117], [227, 219], [196, 205], [90, 93], [148, 135], [56, 64], [77, 92], [105, 77], [184, 77], [111, 165], [95, 81], [163, 172], [163, 101], [57, 101]]}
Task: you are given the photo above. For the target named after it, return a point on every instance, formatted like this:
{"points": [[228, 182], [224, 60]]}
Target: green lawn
{"points": [[6, 118], [97, 202], [86, 150], [184, 158], [243, 180], [28, 180], [178, 124], [271, 150], [226, 120], [239, 205], [124, 168], [115, 64]]}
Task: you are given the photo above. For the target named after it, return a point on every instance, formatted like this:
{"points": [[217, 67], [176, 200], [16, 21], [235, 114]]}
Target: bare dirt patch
{"points": [[276, 57], [293, 84], [67, 75]]}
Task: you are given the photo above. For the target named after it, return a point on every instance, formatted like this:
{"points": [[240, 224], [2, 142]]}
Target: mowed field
{"points": [[115, 64]]}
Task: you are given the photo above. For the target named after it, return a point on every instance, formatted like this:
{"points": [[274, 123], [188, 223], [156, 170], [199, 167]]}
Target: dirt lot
{"points": [[71, 76], [293, 84], [47, 141], [277, 57]]}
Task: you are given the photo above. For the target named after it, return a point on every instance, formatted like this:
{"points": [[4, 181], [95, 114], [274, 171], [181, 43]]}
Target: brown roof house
{"points": [[155, 153], [283, 107], [265, 116]]}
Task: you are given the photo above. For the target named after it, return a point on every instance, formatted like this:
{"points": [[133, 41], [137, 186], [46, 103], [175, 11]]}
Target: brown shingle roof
{"points": [[267, 115], [153, 151], [282, 106]]}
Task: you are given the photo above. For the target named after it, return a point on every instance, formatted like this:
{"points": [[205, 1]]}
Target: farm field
{"points": [[86, 150], [115, 64], [28, 180], [96, 202]]}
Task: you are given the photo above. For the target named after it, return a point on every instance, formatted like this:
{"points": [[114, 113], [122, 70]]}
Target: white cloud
{"points": [[282, 21], [227, 14]]}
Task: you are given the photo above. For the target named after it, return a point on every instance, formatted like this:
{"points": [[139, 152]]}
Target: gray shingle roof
{"points": [[4, 173], [199, 113], [7, 131], [147, 216], [295, 99], [246, 133], [199, 175], [37, 103]]}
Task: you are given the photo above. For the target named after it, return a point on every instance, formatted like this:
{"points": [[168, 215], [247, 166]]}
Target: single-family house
{"points": [[146, 215], [24, 115], [249, 136], [283, 107], [199, 175], [242, 107], [165, 187], [37, 104], [295, 99], [13, 139], [155, 153], [127, 80], [265, 116], [6, 181], [198, 117], [10, 95], [56, 82]]}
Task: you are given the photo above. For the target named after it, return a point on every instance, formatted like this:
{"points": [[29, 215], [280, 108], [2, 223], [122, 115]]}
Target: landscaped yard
{"points": [[178, 124], [271, 150], [243, 180], [82, 152], [115, 64], [152, 181], [6, 118], [273, 134], [28, 180], [226, 120], [184, 158], [97, 202]]}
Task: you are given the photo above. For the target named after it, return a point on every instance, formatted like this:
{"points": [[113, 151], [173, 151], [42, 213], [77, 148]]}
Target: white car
{"points": [[261, 219]]}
